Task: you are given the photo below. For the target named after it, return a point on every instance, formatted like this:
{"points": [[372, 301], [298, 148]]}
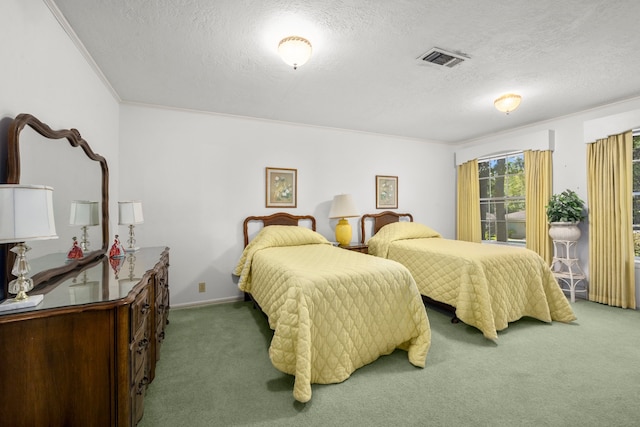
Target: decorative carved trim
{"points": [[279, 218], [380, 220]]}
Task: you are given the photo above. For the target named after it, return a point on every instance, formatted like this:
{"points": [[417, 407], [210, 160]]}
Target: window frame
{"points": [[507, 227]]}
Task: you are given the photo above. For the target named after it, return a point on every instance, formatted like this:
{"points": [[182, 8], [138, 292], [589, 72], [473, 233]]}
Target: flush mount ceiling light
{"points": [[294, 51], [507, 103]]}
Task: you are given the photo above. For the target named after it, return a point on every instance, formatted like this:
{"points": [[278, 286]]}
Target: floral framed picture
{"points": [[386, 192], [282, 188]]}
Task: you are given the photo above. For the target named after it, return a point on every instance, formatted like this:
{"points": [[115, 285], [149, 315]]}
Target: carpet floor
{"points": [[215, 371]]}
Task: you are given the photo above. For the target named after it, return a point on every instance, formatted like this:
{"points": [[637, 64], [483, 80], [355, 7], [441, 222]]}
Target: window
{"points": [[636, 191], [502, 198]]}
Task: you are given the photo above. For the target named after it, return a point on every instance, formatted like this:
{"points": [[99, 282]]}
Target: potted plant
{"points": [[564, 211]]}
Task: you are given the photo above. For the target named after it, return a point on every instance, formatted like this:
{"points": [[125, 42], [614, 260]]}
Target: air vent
{"points": [[441, 57]]}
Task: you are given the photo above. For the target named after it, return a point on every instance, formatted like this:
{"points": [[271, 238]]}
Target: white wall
{"points": [[43, 73], [199, 175], [570, 156]]}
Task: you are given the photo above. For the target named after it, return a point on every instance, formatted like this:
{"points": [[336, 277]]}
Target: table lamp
{"points": [[343, 207], [26, 213], [85, 214], [130, 213]]}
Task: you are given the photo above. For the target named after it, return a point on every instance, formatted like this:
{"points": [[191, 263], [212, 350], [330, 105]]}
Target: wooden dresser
{"points": [[86, 354]]}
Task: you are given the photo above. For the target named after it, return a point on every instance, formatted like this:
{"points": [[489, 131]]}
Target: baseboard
{"points": [[207, 302]]}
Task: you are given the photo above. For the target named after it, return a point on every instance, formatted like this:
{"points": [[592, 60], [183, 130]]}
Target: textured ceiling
{"points": [[221, 56]]}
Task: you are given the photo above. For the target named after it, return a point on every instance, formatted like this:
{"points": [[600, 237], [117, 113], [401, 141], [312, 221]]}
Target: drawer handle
{"points": [[142, 384], [142, 345], [144, 308]]}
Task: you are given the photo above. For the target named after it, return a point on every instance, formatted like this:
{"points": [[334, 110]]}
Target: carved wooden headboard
{"points": [[380, 220], [279, 218]]}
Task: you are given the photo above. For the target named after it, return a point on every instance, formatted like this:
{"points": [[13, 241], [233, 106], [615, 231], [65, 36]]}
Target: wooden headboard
{"points": [[279, 218], [380, 220]]}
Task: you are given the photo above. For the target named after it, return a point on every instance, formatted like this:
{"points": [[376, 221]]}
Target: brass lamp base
{"points": [[21, 284]]}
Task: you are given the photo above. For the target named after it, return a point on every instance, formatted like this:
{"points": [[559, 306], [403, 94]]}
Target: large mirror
{"points": [[61, 159]]}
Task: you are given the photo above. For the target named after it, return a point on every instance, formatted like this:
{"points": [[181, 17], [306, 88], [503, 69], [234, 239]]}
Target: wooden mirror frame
{"points": [[13, 177]]}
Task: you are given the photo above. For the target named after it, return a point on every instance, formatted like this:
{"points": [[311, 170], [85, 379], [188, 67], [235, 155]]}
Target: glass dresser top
{"points": [[103, 281]]}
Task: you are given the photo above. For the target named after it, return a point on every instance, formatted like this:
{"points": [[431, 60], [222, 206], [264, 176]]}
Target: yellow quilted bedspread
{"points": [[489, 285], [332, 310]]}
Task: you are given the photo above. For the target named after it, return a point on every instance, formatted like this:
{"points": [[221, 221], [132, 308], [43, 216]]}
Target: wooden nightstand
{"points": [[357, 247]]}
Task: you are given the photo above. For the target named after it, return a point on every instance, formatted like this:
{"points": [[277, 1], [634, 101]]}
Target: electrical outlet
{"points": [[202, 287]]}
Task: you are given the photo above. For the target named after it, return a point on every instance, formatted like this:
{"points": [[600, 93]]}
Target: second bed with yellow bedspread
{"points": [[489, 285]]}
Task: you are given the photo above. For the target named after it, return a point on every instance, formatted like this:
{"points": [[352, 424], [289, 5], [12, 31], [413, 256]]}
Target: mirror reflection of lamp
{"points": [[82, 290], [131, 259], [130, 213], [26, 213], [85, 214]]}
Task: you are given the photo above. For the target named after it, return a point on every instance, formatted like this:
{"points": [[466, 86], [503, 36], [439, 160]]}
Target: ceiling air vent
{"points": [[441, 57]]}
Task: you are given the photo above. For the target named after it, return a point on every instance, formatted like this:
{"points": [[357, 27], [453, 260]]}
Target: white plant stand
{"points": [[566, 268]]}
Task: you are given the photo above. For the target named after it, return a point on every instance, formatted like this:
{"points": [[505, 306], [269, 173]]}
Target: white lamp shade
{"points": [[130, 212], [84, 212], [343, 207], [294, 50], [26, 213]]}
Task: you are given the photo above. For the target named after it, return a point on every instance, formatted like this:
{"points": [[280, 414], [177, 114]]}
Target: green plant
{"points": [[565, 207]]}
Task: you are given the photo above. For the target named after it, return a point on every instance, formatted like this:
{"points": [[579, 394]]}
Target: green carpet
{"points": [[215, 371]]}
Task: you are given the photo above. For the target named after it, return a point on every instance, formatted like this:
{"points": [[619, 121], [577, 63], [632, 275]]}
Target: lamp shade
{"points": [[84, 212], [130, 212], [343, 207], [26, 213], [507, 103], [294, 50]]}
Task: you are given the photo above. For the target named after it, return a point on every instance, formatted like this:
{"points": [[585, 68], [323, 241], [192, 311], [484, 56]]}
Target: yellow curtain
{"points": [[611, 256], [468, 214], [538, 178]]}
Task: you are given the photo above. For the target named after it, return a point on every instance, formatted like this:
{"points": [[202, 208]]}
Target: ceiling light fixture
{"points": [[294, 51], [507, 103]]}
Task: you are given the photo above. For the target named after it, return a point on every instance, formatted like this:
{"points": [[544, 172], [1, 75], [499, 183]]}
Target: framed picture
{"points": [[282, 188], [386, 192]]}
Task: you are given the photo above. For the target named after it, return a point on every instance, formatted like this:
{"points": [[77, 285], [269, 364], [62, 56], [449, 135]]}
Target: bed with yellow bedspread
{"points": [[332, 310], [489, 285]]}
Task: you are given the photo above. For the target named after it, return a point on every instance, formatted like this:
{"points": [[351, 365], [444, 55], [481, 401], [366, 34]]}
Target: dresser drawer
{"points": [[139, 349], [140, 310], [137, 393]]}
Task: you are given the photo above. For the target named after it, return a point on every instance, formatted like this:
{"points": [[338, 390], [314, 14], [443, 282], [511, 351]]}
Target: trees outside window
{"points": [[636, 191], [502, 198]]}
